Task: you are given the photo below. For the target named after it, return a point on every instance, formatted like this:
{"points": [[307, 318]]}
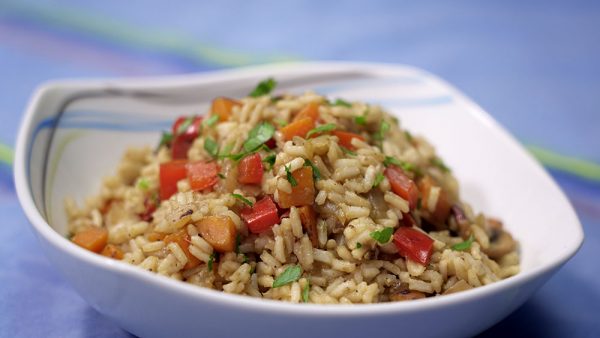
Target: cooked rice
{"points": [[345, 264]]}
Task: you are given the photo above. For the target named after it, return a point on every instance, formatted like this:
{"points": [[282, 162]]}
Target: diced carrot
{"points": [[202, 175], [92, 238], [155, 236], [219, 232], [309, 223], [311, 110], [441, 211], [182, 238], [112, 251], [222, 107], [304, 191], [346, 138], [299, 128]]}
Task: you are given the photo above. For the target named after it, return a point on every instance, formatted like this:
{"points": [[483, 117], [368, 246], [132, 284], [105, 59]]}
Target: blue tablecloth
{"points": [[533, 66]]}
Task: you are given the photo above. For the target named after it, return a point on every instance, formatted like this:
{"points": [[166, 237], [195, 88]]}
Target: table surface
{"points": [[534, 67]]}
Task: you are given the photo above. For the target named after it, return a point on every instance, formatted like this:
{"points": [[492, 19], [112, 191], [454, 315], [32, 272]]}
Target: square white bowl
{"points": [[74, 133]]}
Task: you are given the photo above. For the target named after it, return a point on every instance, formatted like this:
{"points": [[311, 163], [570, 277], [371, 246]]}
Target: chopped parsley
{"points": [[258, 136], [290, 177], [211, 121], [378, 179], [290, 275], [358, 245], [185, 125], [280, 122], [211, 260], [143, 184], [462, 246], [341, 102], [244, 259], [243, 199], [264, 87], [221, 176], [406, 166], [382, 236], [165, 139], [270, 160], [305, 292], [315, 170], [321, 129], [211, 147], [347, 151], [383, 129], [436, 161], [362, 119]]}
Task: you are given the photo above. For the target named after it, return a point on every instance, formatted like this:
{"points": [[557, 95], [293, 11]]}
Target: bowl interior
{"points": [[80, 131]]}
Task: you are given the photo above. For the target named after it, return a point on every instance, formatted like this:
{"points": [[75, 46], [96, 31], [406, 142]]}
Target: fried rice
{"points": [[297, 198]]}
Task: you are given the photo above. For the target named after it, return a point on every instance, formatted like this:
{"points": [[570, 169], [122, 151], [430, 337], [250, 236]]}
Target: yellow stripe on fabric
{"points": [[571, 165], [130, 35]]}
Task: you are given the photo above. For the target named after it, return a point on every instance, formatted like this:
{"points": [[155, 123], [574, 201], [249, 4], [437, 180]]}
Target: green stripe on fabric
{"points": [[6, 154], [136, 37], [574, 166]]}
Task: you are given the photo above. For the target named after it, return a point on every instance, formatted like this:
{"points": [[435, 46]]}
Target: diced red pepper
{"points": [[346, 138], [271, 143], [262, 216], [250, 169], [402, 185], [202, 175], [183, 139], [408, 220], [169, 174], [414, 245], [150, 205]]}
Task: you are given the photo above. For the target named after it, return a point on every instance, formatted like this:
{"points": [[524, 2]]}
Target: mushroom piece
{"points": [[400, 292], [501, 242]]}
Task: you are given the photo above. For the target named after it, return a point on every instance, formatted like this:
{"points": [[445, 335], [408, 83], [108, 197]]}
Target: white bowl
{"points": [[74, 133]]}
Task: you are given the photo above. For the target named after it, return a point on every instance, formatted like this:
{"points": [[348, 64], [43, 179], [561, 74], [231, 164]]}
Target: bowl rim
{"points": [[200, 294]]}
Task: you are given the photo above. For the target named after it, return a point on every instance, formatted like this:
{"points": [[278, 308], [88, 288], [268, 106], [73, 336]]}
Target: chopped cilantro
{"points": [[358, 245], [264, 87], [270, 160], [143, 184], [341, 102], [242, 198], [244, 259], [258, 136], [362, 119], [211, 260], [347, 151], [321, 129], [209, 122], [280, 122], [211, 147], [290, 177], [406, 166], [290, 275], [165, 139], [382, 236], [462, 246], [305, 292], [315, 170], [383, 129], [436, 161], [378, 179]]}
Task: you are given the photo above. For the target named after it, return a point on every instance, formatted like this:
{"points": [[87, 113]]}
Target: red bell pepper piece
{"points": [[262, 216], [402, 185], [413, 244], [346, 138], [183, 139], [202, 175], [169, 174], [250, 169]]}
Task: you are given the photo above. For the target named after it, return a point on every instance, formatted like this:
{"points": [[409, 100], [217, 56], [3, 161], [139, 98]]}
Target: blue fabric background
{"points": [[533, 65]]}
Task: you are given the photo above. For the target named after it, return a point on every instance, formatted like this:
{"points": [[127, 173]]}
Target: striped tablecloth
{"points": [[534, 67]]}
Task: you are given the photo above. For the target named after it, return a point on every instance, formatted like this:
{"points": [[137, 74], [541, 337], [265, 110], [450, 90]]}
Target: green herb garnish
{"points": [[165, 139], [462, 246], [436, 161], [321, 129], [270, 160], [264, 87], [258, 136], [305, 292], [242, 198], [408, 136], [341, 102], [221, 176], [383, 129], [280, 122], [362, 119], [185, 125], [211, 260], [211, 121], [211, 147], [143, 184], [290, 275], [382, 236], [290, 177], [406, 166], [347, 151], [245, 259], [315, 170], [378, 179], [238, 241], [358, 245]]}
